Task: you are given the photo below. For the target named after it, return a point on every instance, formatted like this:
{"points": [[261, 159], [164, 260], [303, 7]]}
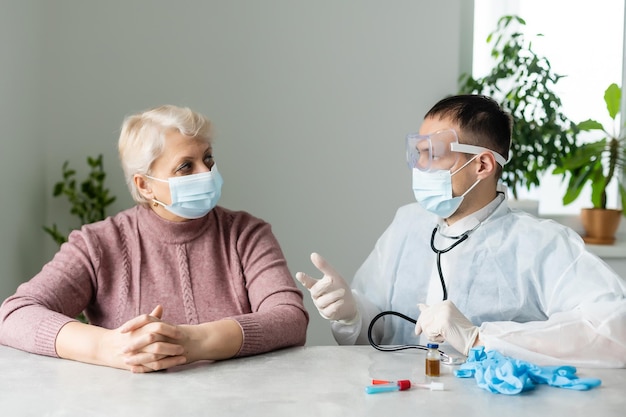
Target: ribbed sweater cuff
{"points": [[45, 338], [252, 336]]}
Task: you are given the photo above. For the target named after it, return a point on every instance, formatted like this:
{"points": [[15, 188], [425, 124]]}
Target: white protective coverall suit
{"points": [[529, 284]]}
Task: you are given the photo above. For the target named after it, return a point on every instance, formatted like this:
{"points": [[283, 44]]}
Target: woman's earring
{"points": [[154, 203]]}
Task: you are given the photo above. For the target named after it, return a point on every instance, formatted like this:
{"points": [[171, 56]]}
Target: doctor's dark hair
{"points": [[481, 119]]}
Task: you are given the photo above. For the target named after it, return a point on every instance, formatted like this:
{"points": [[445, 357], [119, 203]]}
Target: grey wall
{"points": [[22, 145], [311, 101]]}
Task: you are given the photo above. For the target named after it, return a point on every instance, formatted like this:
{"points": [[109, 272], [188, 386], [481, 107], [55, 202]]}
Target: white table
{"points": [[307, 381]]}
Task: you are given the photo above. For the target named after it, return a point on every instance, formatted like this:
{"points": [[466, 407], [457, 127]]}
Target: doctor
{"points": [[471, 270]]}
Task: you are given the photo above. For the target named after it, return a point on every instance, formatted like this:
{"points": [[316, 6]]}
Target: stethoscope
{"points": [[445, 358]]}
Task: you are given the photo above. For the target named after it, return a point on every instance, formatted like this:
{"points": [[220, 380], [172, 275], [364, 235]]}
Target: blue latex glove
{"points": [[504, 375]]}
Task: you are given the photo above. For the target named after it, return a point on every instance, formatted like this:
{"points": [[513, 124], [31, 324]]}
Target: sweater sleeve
{"points": [[278, 318], [31, 318]]}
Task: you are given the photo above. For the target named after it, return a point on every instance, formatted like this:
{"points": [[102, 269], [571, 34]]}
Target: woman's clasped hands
{"points": [[146, 344]]}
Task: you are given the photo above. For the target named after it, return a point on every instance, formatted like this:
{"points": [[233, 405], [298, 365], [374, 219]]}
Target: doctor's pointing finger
{"points": [[330, 294]]}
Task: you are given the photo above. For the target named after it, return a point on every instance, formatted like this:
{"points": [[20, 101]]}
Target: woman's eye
{"points": [[183, 167], [208, 161]]}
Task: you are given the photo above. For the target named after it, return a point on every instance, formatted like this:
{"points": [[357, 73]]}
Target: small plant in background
{"points": [[88, 200], [523, 82]]}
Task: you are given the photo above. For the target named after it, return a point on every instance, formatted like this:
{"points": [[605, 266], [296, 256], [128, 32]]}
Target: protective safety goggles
{"points": [[440, 151]]}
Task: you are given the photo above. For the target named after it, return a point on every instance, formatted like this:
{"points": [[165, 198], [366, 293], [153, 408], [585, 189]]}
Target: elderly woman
{"points": [[173, 280]]}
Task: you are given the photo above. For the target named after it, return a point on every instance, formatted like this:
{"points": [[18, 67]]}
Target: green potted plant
{"points": [[523, 83], [598, 163]]}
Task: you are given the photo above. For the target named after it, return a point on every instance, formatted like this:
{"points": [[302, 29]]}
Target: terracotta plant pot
{"points": [[600, 225]]}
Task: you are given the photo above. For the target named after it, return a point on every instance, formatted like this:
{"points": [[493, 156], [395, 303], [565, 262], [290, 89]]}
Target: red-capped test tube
{"points": [[400, 385]]}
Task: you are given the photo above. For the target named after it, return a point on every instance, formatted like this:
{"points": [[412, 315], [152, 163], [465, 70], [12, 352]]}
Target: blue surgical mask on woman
{"points": [[433, 191], [193, 196]]}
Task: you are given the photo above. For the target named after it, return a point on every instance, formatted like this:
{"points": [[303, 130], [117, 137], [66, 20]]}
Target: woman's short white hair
{"points": [[142, 138]]}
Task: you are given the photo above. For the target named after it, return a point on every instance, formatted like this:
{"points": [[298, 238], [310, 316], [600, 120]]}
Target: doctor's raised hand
{"points": [[331, 294], [218, 277]]}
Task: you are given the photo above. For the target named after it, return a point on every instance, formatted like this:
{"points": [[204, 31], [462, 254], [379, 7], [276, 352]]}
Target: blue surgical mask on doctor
{"points": [[431, 157], [193, 196]]}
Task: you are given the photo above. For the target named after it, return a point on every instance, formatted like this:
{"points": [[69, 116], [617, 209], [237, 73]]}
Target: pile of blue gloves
{"points": [[505, 375]]}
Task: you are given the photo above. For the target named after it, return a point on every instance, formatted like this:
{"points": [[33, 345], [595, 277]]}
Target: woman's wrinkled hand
{"points": [[146, 344]]}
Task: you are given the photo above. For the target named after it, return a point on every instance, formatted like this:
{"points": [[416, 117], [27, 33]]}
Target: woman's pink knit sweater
{"points": [[226, 264]]}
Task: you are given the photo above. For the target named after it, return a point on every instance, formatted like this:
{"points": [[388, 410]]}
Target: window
{"points": [[583, 40]]}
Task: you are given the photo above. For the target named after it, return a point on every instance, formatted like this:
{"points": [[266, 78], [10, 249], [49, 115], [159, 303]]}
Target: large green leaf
{"points": [[613, 97], [590, 125], [578, 179], [583, 156], [598, 187]]}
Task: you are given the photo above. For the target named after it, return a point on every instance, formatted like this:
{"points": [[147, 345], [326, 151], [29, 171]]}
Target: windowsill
{"points": [[614, 251]]}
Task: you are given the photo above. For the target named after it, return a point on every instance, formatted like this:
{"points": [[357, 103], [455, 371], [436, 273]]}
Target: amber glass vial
{"points": [[432, 360]]}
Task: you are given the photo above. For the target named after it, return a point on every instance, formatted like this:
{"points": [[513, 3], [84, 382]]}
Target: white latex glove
{"points": [[331, 294], [443, 322]]}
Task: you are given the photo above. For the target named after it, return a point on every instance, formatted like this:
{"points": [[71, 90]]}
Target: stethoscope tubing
{"points": [[460, 239], [446, 357]]}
